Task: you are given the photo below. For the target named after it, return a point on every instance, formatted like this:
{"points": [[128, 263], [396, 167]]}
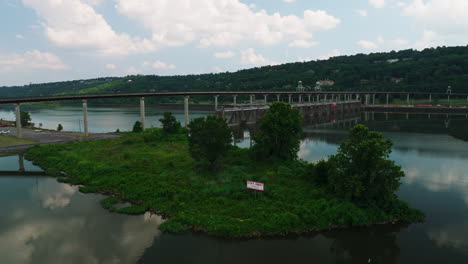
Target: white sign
{"points": [[259, 186]]}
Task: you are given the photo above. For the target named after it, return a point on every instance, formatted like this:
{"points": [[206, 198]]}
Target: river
{"points": [[43, 221]]}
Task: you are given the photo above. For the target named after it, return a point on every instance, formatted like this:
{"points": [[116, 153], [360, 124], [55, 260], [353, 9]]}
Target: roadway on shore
{"points": [[49, 137]]}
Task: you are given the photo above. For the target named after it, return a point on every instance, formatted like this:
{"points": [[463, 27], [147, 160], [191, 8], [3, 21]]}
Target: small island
{"points": [[196, 178]]}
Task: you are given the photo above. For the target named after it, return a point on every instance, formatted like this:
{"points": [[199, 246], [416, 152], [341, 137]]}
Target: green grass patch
{"points": [[153, 171], [6, 141]]}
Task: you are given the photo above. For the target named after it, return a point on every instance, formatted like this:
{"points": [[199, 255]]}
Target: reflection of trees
{"points": [[377, 244]]}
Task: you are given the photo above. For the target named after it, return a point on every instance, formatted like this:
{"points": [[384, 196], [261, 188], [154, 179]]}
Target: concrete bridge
{"points": [[366, 97]]}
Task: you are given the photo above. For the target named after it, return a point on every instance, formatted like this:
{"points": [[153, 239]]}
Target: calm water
{"points": [[100, 119], [43, 221]]}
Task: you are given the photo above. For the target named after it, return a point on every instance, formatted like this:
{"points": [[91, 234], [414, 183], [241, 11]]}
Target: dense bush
{"points": [[277, 135], [361, 170], [209, 139], [169, 123], [137, 127]]}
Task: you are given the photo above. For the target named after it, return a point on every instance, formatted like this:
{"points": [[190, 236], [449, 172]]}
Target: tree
{"points": [[137, 127], [209, 139], [59, 127], [361, 170], [169, 122], [278, 133], [25, 118]]}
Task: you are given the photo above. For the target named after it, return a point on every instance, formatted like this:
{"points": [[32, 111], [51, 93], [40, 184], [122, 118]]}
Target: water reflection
{"points": [[43, 221]]}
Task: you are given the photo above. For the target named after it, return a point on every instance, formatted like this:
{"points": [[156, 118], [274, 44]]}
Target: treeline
{"points": [[431, 70]]}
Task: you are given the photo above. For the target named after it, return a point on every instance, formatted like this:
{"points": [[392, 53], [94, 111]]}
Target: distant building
{"points": [[325, 83], [396, 80], [393, 60], [130, 81], [300, 87]]}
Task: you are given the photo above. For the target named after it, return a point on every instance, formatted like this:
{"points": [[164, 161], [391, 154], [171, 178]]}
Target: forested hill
{"points": [[408, 70]]}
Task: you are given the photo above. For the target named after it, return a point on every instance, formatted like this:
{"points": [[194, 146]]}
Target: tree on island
{"points": [[278, 133], [59, 127], [169, 123], [361, 170], [25, 119], [209, 139], [137, 127]]}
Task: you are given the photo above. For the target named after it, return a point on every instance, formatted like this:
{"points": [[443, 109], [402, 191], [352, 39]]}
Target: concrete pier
{"points": [[142, 112], [186, 110], [278, 97], [216, 102], [19, 132], [85, 118], [265, 98], [388, 98], [407, 99], [234, 100]]}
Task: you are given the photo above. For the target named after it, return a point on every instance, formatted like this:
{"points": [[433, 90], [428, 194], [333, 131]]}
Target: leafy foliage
{"points": [[277, 135], [59, 127], [137, 127], [209, 139], [361, 170], [195, 200], [169, 122], [25, 119]]}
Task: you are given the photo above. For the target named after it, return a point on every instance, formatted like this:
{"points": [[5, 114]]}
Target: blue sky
{"points": [[56, 40]]}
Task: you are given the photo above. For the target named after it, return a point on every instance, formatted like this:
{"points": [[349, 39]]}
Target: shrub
{"points": [[170, 124], [137, 127]]}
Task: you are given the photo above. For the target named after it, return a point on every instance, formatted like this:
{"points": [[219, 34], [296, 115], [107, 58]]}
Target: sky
{"points": [[57, 40]]}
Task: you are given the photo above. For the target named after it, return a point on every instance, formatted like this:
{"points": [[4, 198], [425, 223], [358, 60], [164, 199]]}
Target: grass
{"points": [[6, 141], [155, 172]]}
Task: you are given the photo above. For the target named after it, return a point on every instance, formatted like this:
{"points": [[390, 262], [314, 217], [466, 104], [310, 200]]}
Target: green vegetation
{"points": [[25, 119], [278, 133], [12, 141], [59, 127], [154, 170], [209, 140], [137, 127], [429, 70], [169, 123]]}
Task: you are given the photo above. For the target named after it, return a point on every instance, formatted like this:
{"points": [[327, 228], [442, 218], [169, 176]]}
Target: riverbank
{"points": [[32, 137], [155, 172]]}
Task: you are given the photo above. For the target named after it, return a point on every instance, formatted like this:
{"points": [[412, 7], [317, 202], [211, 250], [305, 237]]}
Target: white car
{"points": [[4, 132]]}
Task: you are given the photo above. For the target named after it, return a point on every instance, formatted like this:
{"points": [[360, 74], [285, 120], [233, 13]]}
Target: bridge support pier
{"points": [[277, 97], [289, 100], [388, 98], [318, 98], [142, 112], [300, 98], [21, 162], [265, 98], [19, 131], [251, 99], [373, 99], [234, 99], [430, 98], [186, 110], [407, 99], [85, 118], [216, 102], [366, 100], [309, 98]]}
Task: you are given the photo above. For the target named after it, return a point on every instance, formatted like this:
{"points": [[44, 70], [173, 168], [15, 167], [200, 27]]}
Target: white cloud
{"points": [[427, 40], [30, 60], [132, 70], [331, 54], [367, 44], [362, 12], [224, 55], [289, 1], [19, 36], [400, 42], [75, 24], [162, 65], [300, 43], [111, 66], [446, 15], [221, 22], [249, 57], [377, 3]]}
